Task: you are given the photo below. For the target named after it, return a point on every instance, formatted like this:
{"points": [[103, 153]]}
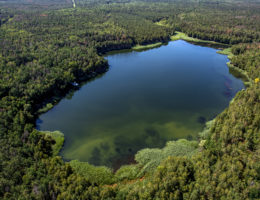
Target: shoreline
{"points": [[183, 36], [235, 71], [179, 36], [146, 47]]}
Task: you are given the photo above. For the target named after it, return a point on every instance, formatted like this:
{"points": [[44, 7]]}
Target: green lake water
{"points": [[145, 99]]}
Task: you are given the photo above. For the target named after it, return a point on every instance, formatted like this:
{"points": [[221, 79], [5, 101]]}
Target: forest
{"points": [[47, 45]]}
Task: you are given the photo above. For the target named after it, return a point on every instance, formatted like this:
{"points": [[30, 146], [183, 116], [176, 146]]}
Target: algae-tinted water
{"points": [[145, 99]]}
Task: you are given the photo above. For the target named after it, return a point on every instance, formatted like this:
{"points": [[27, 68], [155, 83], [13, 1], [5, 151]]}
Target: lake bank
{"points": [[138, 77]]}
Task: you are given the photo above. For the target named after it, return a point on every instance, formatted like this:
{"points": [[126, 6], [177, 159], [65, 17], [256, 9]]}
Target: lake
{"points": [[145, 99]]}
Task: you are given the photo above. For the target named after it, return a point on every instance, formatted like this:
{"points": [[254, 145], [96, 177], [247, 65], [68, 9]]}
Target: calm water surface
{"points": [[145, 99]]}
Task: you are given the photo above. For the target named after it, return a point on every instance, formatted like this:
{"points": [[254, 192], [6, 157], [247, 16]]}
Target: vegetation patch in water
{"points": [[58, 137], [145, 47], [183, 36]]}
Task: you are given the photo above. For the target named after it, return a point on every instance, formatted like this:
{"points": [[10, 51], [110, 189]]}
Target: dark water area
{"points": [[145, 99]]}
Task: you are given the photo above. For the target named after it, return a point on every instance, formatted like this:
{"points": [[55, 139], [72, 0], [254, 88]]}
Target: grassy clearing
{"points": [[59, 140], [161, 23], [183, 36], [145, 47], [227, 52]]}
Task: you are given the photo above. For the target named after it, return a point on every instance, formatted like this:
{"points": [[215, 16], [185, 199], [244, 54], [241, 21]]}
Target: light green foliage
{"points": [[149, 159], [128, 172], [227, 51], [182, 36], [100, 175], [145, 47], [46, 108], [180, 147], [145, 156], [59, 140], [206, 131]]}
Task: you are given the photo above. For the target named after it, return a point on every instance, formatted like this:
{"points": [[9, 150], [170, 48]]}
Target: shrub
{"points": [[127, 172], [206, 131], [94, 174], [149, 159]]}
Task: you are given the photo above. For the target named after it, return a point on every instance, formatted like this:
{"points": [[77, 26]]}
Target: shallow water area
{"points": [[145, 99]]}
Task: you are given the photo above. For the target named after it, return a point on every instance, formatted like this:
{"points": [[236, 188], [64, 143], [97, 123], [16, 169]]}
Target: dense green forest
{"points": [[47, 45]]}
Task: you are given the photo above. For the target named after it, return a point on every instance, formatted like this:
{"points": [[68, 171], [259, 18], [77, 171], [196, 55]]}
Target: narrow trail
{"points": [[74, 4]]}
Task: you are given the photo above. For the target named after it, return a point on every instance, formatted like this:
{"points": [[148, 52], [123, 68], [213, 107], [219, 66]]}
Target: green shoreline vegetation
{"points": [[58, 137], [228, 52], [47, 46], [146, 47], [239, 73], [182, 36], [147, 160], [46, 108]]}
